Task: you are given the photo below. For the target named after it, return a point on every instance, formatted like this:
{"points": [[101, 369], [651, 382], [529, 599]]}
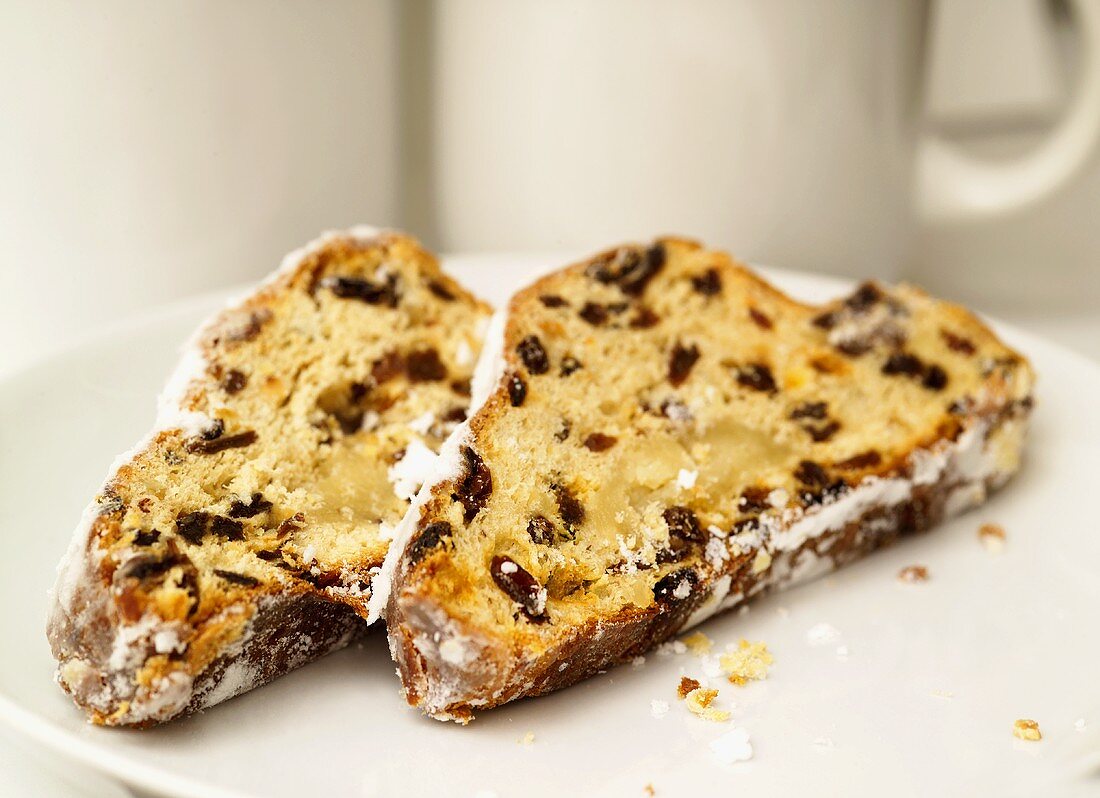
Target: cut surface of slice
{"points": [[665, 435], [237, 541]]}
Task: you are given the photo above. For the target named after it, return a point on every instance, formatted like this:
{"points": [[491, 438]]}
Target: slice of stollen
{"points": [[237, 541], [663, 436]]}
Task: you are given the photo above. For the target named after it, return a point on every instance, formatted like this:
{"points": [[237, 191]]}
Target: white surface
{"points": [[1006, 636]]}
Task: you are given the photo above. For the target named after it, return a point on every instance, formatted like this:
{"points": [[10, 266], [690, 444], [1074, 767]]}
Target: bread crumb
{"points": [[992, 537], [943, 694], [1026, 729], [699, 703], [698, 643], [913, 574], [761, 561], [731, 747], [658, 708], [687, 684], [749, 662], [649, 790], [527, 739]]}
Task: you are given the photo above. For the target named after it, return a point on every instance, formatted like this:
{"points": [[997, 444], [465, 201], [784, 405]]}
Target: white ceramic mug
{"points": [[785, 130]]}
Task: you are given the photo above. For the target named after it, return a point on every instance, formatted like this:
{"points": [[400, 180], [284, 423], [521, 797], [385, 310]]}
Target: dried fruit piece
{"points": [[569, 507], [237, 579], [234, 381], [203, 446], [533, 355], [441, 291], [429, 538], [256, 505], [867, 459], [681, 362], [476, 485], [553, 301], [644, 319], [424, 365], [517, 390], [569, 364], [146, 538], [598, 442], [594, 313], [903, 363], [958, 343], [708, 283], [992, 537], [675, 586], [192, 526], [683, 524], [760, 319], [935, 378], [384, 293], [292, 524], [756, 376], [811, 474], [226, 528], [518, 584], [540, 530]]}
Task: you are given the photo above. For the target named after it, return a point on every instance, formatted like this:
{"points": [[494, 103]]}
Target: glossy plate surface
{"points": [[916, 693]]}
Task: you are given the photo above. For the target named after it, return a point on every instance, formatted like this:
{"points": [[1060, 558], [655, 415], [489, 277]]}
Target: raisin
{"points": [[234, 381], [226, 528], [518, 584], [429, 538], [708, 283], [203, 446], [760, 319], [357, 392], [756, 376], [754, 499], [864, 297], [146, 566], [629, 269], [553, 301], [745, 525], [826, 321], [461, 387], [441, 291], [903, 363], [569, 507], [365, 290], [595, 314], [532, 354], [192, 526], [258, 504], [680, 362], [598, 442], [812, 474], [854, 347], [387, 367], [237, 579], [829, 492], [144, 538], [476, 485], [424, 365], [683, 524], [517, 389], [269, 555], [865, 459], [541, 530], [564, 430], [671, 587], [935, 378], [455, 415], [815, 410], [644, 319], [213, 430], [570, 364], [824, 432], [958, 343], [292, 524]]}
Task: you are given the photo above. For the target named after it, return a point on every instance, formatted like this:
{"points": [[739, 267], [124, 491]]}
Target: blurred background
{"points": [[153, 151]]}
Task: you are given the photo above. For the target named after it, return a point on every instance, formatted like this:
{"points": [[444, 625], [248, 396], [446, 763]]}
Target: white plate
{"points": [[922, 704]]}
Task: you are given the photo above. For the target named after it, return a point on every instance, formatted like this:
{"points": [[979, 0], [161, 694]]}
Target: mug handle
{"points": [[954, 186]]}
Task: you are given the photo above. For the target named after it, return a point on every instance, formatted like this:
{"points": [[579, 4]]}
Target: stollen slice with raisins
{"points": [[664, 435], [237, 540]]}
